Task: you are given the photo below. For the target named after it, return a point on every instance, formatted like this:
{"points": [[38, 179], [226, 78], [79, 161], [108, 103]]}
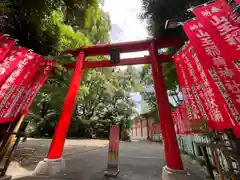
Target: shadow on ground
{"points": [[29, 153]]}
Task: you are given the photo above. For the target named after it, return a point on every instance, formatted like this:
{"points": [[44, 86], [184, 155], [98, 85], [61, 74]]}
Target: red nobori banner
{"points": [[22, 73], [224, 33], [10, 63], [192, 102], [224, 56], [182, 120], [189, 77], [43, 68], [21, 85], [8, 88], [174, 116], [229, 11], [48, 65], [193, 79], [186, 92], [202, 88], [220, 101], [5, 46]]}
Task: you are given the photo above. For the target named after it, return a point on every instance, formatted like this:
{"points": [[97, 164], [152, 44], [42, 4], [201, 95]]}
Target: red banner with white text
{"points": [[225, 104], [180, 117], [192, 110], [37, 82], [230, 11], [202, 88], [5, 46], [193, 79], [186, 93], [224, 33], [174, 116], [14, 83], [20, 73]]}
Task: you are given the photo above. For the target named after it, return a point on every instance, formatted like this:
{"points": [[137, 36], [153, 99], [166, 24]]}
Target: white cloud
{"points": [[124, 13], [127, 27]]}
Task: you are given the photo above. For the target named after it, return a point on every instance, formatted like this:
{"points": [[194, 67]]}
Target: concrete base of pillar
{"points": [[6, 177], [111, 173], [49, 167], [171, 174]]}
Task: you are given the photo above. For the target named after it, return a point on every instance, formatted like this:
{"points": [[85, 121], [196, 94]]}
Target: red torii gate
{"points": [[172, 153]]}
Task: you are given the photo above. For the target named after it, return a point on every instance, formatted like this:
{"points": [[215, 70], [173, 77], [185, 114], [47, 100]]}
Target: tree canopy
{"points": [[50, 26], [157, 12]]}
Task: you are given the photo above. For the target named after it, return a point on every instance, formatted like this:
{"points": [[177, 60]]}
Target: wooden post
{"points": [[113, 152], [217, 163], [207, 161]]}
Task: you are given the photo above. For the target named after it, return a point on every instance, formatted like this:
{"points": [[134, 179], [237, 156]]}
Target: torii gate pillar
{"points": [[54, 162], [174, 167]]}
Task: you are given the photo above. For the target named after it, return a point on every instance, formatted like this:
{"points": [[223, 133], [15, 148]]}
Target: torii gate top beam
{"points": [[125, 47]]}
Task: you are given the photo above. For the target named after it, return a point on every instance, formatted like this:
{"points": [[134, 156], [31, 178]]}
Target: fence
{"points": [[217, 153]]}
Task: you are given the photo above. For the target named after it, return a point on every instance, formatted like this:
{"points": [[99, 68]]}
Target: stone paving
{"points": [[138, 161]]}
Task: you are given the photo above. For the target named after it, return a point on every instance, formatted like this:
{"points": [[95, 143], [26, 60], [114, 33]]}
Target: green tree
{"points": [[103, 99], [49, 27], [107, 100], [156, 13], [42, 25]]}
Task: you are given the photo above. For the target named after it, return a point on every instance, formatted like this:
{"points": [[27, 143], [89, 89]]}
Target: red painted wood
{"points": [[104, 49], [123, 62], [172, 153], [56, 148]]}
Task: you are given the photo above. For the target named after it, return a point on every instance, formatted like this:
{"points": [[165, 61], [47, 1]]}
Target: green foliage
{"points": [[171, 84], [50, 26], [105, 99], [156, 13], [46, 26]]}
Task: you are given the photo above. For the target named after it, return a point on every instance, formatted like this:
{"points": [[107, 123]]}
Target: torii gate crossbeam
{"points": [[123, 62]]}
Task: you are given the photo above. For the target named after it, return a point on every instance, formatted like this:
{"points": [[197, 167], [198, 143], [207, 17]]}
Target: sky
{"points": [[127, 27], [125, 24]]}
